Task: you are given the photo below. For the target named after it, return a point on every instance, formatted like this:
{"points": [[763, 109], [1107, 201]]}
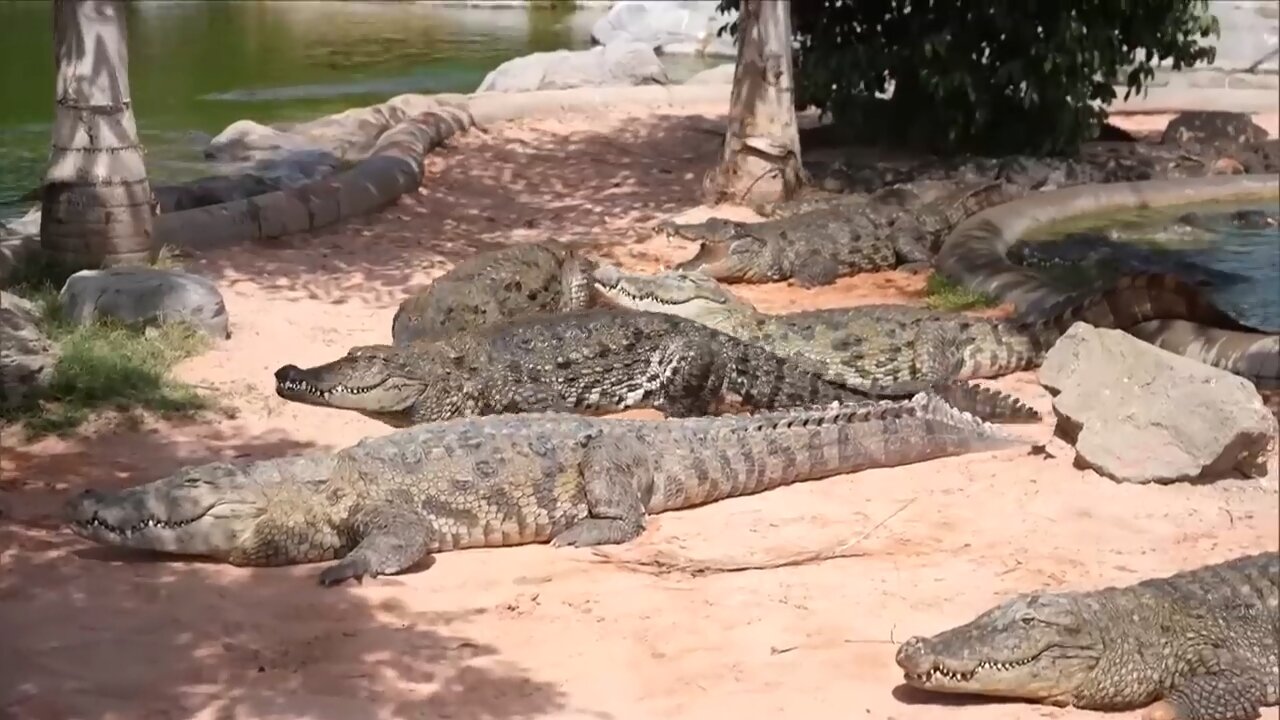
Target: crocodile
{"points": [[492, 287], [1097, 162], [591, 362], [894, 349], [381, 506], [841, 236], [1197, 645]]}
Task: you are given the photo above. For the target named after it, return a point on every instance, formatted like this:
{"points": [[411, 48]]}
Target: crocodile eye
{"points": [[1027, 619]]}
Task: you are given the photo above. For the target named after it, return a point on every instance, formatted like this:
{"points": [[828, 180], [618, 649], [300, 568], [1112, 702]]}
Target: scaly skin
{"points": [[888, 349], [494, 287], [1201, 645], [840, 236], [385, 503], [845, 346], [591, 362]]}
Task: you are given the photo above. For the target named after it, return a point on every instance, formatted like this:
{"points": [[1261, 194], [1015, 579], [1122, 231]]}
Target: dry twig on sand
{"points": [[664, 563]]}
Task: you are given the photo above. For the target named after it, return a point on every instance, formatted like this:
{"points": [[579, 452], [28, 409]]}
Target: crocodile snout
{"points": [[911, 656], [292, 383], [287, 374]]}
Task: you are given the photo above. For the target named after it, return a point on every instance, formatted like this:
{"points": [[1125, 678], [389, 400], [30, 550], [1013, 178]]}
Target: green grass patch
{"points": [[106, 366], [943, 294]]}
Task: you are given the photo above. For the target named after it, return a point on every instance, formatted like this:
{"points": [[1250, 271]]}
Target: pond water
{"points": [[1233, 249], [195, 67]]}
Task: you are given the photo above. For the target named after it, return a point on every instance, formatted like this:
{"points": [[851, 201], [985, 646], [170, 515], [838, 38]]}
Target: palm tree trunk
{"points": [[96, 205], [761, 161]]}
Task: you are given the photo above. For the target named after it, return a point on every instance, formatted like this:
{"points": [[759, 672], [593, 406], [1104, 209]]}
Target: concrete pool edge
{"points": [[974, 256]]}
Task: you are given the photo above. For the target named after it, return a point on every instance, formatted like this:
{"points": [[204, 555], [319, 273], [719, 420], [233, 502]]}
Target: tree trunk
{"points": [[96, 204], [761, 162]]}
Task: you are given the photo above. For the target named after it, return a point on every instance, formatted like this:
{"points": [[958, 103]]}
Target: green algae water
{"points": [[195, 67], [1252, 255]]}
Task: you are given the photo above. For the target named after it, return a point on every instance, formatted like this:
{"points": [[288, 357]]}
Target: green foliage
{"points": [[106, 365], [999, 76], [943, 294]]}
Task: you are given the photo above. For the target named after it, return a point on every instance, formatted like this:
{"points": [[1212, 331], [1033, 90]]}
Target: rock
{"points": [[248, 140], [27, 356], [28, 224], [352, 134], [349, 135], [145, 296], [673, 28], [1139, 414], [1212, 127], [618, 64], [718, 75]]}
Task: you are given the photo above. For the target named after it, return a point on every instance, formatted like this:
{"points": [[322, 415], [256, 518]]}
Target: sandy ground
{"points": [[536, 632]]}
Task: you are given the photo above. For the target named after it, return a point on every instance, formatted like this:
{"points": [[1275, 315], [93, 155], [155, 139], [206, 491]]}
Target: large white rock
{"points": [[675, 27], [145, 296], [27, 356], [1140, 414], [618, 64], [249, 140]]}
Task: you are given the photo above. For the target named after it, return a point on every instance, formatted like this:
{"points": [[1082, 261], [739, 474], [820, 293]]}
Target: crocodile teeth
{"points": [[641, 295], [147, 524], [308, 388], [959, 676]]}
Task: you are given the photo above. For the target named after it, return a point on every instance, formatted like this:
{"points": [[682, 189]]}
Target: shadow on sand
{"points": [[596, 189], [94, 633]]}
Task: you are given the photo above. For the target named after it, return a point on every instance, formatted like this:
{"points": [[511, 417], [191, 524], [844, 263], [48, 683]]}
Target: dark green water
{"points": [[195, 67]]}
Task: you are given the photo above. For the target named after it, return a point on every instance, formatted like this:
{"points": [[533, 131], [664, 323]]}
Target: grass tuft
{"points": [[943, 294], [105, 365]]}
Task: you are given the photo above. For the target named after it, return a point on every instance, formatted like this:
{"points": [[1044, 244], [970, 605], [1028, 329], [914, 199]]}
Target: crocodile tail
{"points": [[987, 403], [1138, 298], [1002, 347]]}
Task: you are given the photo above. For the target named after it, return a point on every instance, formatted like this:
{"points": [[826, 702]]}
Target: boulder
{"points": [[1136, 413], [618, 64], [718, 75], [27, 356], [682, 27], [248, 140], [1212, 127], [349, 135], [145, 296]]}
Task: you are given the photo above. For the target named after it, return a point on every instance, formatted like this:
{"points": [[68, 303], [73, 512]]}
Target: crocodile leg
{"points": [[682, 380], [1226, 694], [814, 268], [909, 241], [616, 511], [575, 283], [526, 397], [393, 539]]}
